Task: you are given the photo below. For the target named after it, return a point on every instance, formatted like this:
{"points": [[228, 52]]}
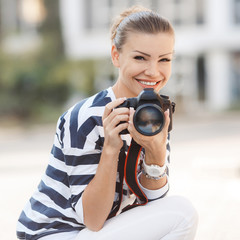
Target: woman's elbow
{"points": [[94, 226]]}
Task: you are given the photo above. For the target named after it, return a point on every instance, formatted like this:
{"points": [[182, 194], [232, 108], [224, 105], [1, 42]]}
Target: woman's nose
{"points": [[152, 70]]}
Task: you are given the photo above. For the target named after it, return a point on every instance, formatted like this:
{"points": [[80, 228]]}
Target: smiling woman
{"points": [[142, 49], [83, 194], [144, 61]]}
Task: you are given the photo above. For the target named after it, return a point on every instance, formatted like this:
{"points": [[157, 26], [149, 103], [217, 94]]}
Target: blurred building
{"points": [[207, 65], [206, 71], [19, 20]]}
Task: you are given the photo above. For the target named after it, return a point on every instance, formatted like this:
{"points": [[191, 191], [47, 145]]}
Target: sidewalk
{"points": [[205, 167]]}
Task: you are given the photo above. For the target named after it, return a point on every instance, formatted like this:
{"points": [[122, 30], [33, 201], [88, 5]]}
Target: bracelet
{"points": [[154, 178]]}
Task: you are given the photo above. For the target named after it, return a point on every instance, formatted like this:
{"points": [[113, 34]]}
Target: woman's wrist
{"points": [[109, 158], [111, 151], [152, 184], [156, 156]]}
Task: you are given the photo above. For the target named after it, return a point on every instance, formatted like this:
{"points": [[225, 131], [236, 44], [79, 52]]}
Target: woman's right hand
{"points": [[112, 116], [98, 197]]}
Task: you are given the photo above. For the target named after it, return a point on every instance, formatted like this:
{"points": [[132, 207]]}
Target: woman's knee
{"points": [[186, 208], [179, 208], [187, 214]]}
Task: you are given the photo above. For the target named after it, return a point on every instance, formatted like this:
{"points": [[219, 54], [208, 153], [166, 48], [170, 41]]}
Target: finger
{"points": [[121, 127], [131, 111], [110, 106], [119, 114], [167, 119], [119, 118], [131, 114]]}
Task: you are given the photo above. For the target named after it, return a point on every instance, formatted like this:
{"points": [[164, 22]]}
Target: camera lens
{"points": [[149, 119]]}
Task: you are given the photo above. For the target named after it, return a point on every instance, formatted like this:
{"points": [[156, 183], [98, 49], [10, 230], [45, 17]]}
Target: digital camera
{"points": [[149, 108]]}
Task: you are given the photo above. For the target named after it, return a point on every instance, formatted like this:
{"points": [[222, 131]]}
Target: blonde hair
{"points": [[138, 19]]}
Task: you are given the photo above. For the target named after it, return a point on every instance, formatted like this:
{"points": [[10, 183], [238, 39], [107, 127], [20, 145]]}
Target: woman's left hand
{"points": [[155, 146]]}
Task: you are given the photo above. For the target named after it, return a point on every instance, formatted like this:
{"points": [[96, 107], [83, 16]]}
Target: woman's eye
{"points": [[139, 58], [165, 60]]}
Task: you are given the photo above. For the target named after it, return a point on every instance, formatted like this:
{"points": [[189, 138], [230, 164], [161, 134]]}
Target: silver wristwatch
{"points": [[154, 171]]}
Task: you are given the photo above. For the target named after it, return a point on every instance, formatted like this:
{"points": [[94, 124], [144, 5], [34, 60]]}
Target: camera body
{"points": [[149, 108]]}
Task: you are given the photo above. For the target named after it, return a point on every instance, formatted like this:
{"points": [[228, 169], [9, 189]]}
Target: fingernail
{"points": [[123, 98]]}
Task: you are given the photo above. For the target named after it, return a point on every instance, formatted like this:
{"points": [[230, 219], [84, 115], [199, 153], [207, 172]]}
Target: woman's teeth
{"points": [[148, 83]]}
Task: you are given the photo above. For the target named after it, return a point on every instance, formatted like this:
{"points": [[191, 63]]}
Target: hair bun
{"points": [[123, 15]]}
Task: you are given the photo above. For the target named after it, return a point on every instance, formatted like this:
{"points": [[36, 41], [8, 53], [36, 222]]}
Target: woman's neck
{"points": [[120, 90]]}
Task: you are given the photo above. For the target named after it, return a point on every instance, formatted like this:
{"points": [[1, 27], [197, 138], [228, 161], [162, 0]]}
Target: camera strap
{"points": [[127, 168], [130, 172]]}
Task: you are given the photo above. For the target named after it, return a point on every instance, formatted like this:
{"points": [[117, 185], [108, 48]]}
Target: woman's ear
{"points": [[115, 56]]}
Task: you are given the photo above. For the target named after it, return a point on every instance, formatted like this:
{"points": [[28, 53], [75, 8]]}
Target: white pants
{"points": [[169, 218]]}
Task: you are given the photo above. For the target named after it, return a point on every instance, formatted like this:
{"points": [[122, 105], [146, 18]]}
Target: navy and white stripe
{"points": [[56, 205]]}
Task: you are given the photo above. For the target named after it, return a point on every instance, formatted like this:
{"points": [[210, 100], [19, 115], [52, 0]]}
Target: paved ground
{"points": [[205, 168]]}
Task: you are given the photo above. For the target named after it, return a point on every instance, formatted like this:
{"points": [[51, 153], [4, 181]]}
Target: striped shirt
{"points": [[56, 206]]}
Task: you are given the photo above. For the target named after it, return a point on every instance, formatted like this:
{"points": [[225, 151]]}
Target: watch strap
{"points": [[152, 177]]}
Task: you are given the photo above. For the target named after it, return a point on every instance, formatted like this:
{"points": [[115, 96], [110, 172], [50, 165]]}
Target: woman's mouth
{"points": [[151, 84]]}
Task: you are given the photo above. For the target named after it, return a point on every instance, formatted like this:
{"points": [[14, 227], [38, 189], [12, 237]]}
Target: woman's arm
{"points": [[99, 195], [155, 151]]}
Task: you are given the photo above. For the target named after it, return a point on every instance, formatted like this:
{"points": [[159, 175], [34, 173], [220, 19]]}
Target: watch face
{"points": [[154, 172]]}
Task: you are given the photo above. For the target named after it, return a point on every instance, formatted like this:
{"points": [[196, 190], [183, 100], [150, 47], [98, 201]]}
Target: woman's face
{"points": [[144, 62]]}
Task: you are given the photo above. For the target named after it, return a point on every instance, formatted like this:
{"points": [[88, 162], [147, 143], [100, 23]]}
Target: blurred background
{"points": [[54, 53]]}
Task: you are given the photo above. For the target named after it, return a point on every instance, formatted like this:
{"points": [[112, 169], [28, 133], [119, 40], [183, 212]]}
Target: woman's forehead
{"points": [[145, 42]]}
